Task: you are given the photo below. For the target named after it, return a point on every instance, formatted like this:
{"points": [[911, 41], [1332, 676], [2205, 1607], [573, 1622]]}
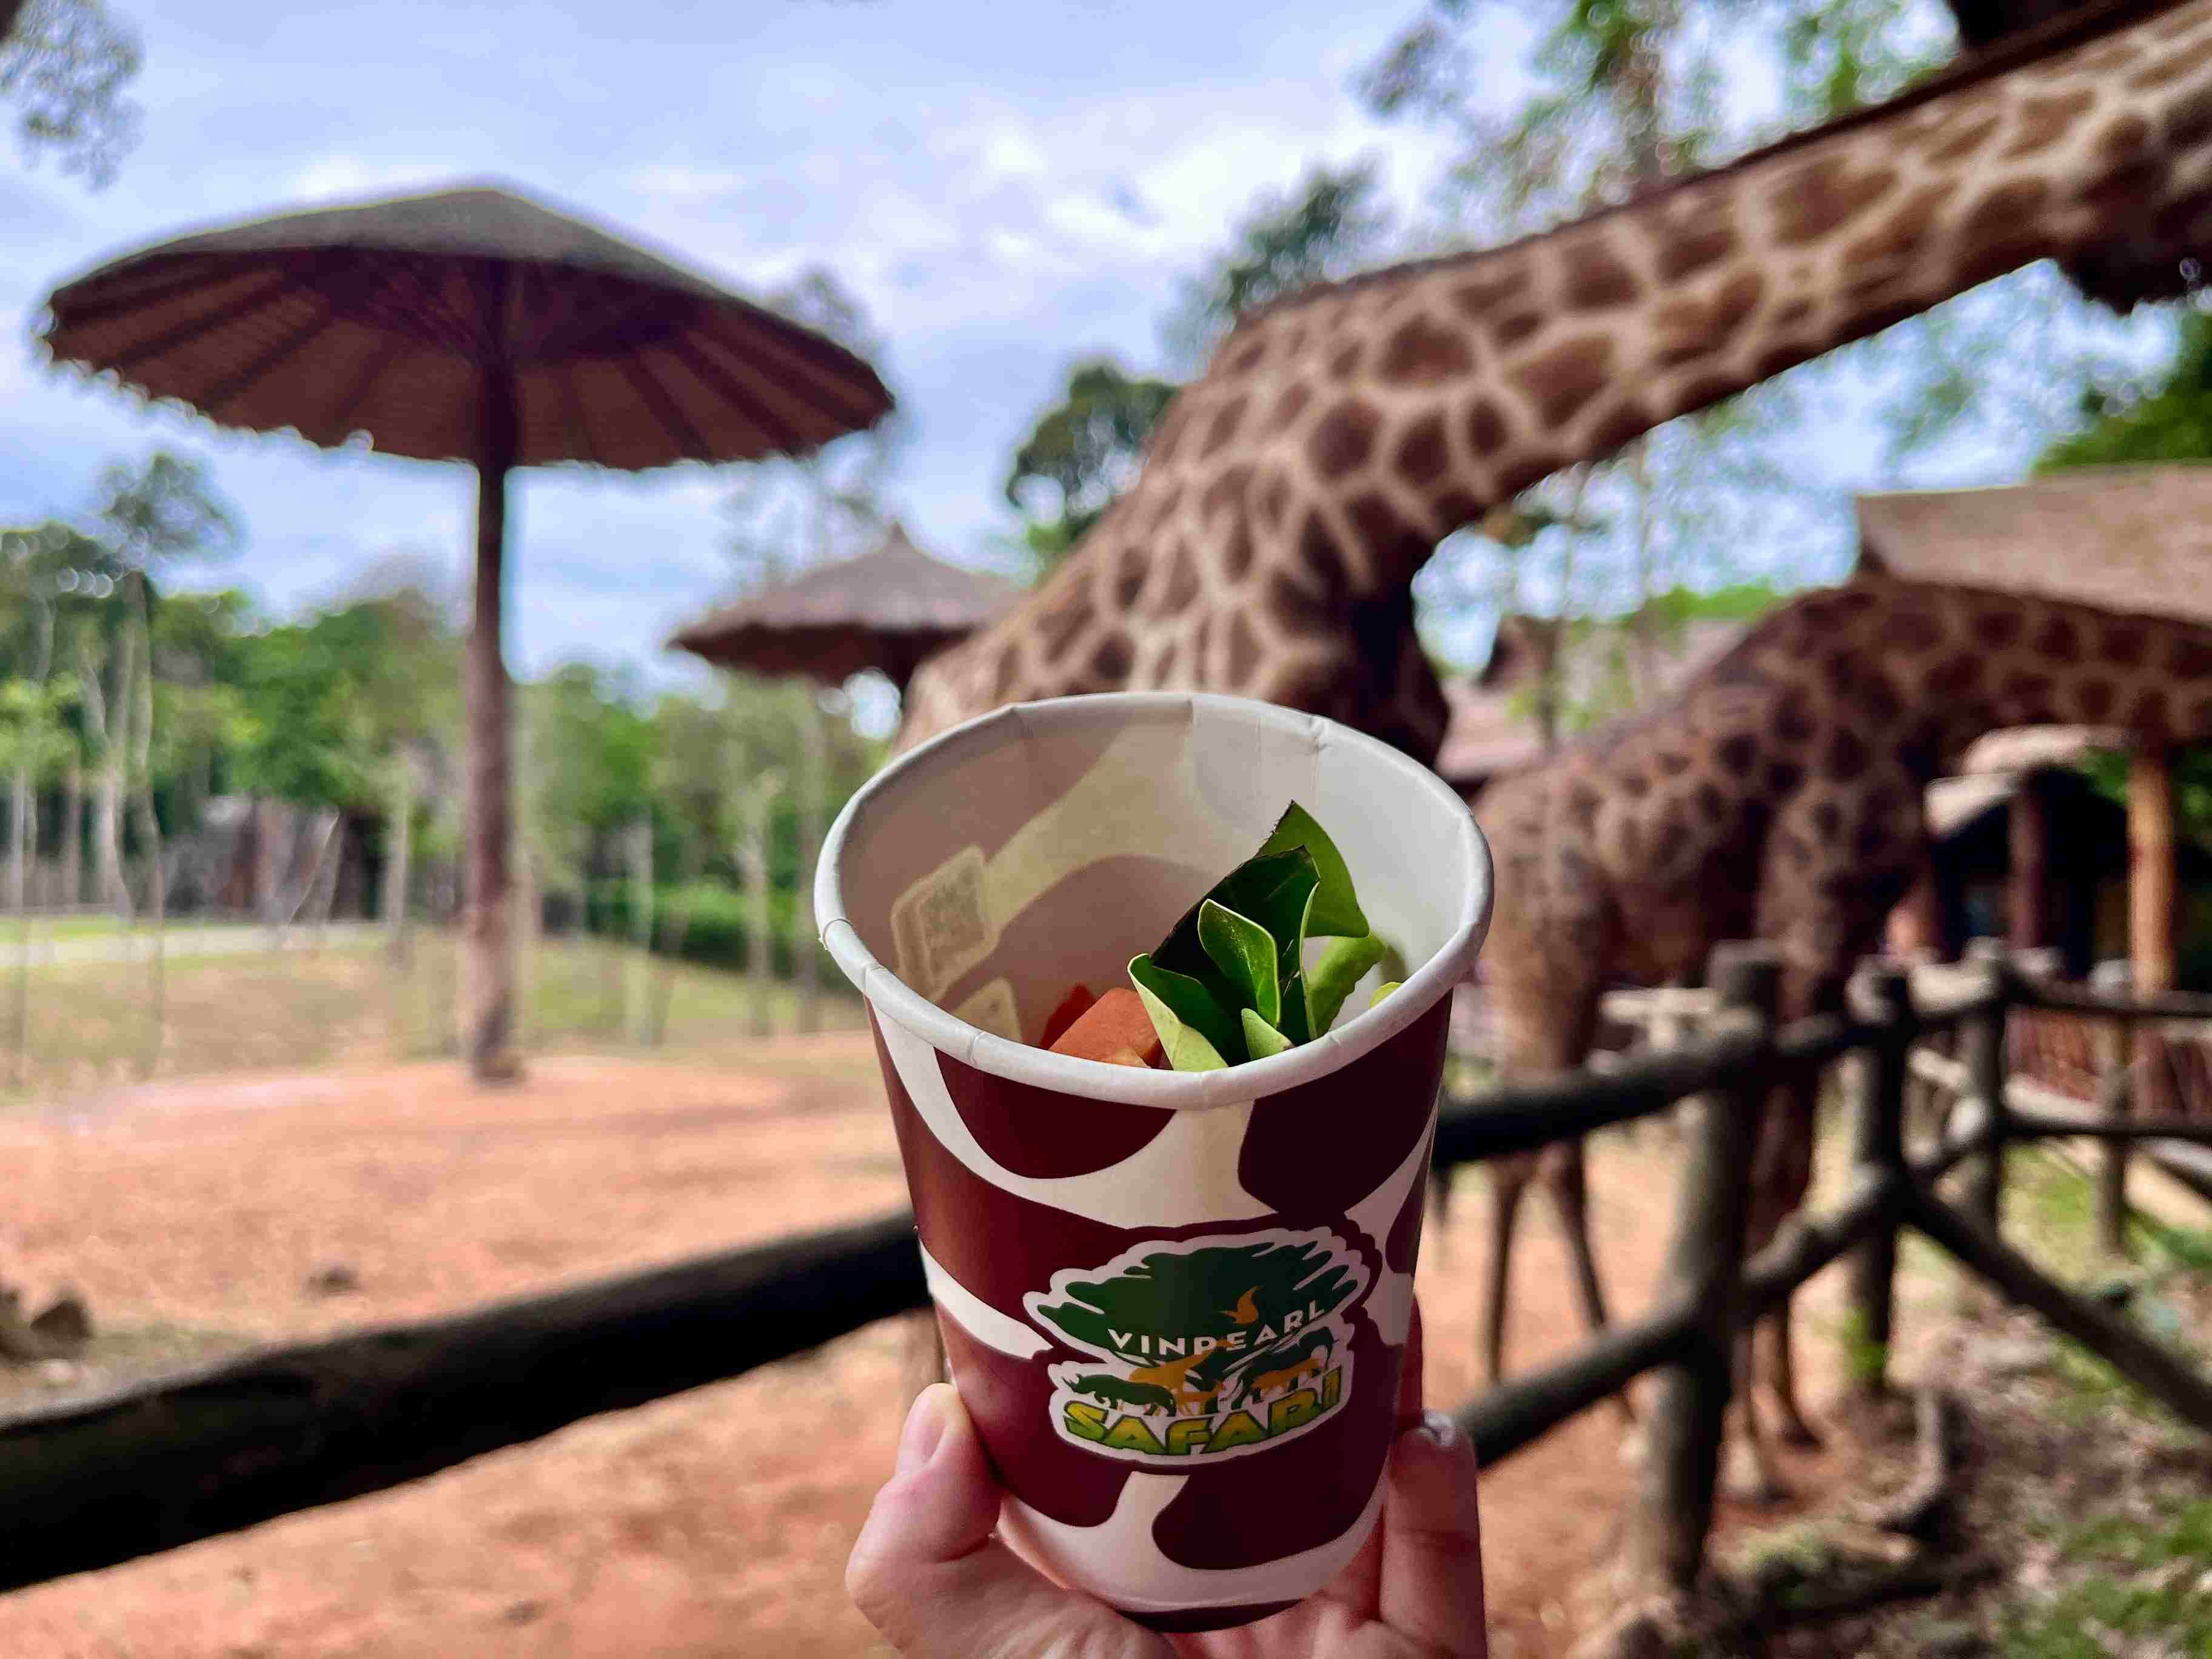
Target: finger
{"points": [[1432, 1581], [927, 1573], [1409, 1374]]}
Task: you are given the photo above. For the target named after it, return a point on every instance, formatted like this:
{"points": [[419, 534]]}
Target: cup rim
{"points": [[893, 999]]}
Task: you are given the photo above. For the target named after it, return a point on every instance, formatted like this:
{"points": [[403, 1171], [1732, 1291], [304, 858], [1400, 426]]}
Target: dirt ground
{"points": [[197, 1216]]}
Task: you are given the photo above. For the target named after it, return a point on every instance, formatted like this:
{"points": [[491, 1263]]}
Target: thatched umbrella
{"points": [[887, 610], [473, 325]]}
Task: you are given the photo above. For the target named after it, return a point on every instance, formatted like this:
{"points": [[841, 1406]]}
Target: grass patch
{"points": [[89, 1024], [2147, 1580]]}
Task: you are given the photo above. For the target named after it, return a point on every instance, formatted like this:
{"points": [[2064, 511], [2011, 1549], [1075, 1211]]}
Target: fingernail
{"points": [[1439, 1431], [924, 1431]]}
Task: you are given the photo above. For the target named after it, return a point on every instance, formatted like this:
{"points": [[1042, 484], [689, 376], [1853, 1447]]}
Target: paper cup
{"points": [[1174, 1303]]}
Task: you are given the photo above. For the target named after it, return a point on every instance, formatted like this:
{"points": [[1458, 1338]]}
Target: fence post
{"points": [[2112, 979], [1878, 1130], [1674, 1508], [1985, 1055]]}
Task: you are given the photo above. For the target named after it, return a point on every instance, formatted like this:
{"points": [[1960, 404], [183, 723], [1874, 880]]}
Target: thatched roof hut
{"points": [[887, 610], [2129, 538]]}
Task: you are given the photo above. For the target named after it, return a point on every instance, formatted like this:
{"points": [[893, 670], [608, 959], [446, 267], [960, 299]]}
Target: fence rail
{"points": [[175, 1459]]}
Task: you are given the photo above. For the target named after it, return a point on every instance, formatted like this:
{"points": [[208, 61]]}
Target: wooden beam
{"points": [[163, 1463], [2153, 905], [2155, 1369], [1503, 1419]]}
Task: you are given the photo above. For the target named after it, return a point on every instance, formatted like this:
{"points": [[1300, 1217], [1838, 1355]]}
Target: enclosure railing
{"points": [[164, 1463]]}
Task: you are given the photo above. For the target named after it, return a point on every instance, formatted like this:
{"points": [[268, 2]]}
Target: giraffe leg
{"points": [[1561, 1167], [1784, 1177], [1791, 1428], [1752, 1477], [1508, 1179]]}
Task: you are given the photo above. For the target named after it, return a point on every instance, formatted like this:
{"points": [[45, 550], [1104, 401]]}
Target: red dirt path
{"points": [[192, 1216]]}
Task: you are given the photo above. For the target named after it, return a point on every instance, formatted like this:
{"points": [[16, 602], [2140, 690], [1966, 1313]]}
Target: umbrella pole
{"points": [[487, 954]]}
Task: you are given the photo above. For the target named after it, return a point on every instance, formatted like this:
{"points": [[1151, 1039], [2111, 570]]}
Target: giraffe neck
{"points": [[1417, 397]]}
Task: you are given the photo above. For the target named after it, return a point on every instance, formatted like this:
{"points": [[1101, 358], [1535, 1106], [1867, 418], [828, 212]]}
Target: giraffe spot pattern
{"points": [[1320, 558], [1623, 422], [1596, 278], [1694, 244], [1423, 352], [1345, 363], [1689, 327], [2123, 138], [1182, 585], [1424, 455], [2094, 698], [1562, 380], [1243, 359], [2149, 714], [2124, 644], [1485, 427], [1815, 200], [2042, 121], [1223, 428], [1997, 628], [2058, 641], [1478, 298], [2191, 658], [1712, 805], [1883, 254], [1961, 136], [1236, 551], [1243, 649], [1847, 756], [1110, 659], [1343, 439], [1291, 404], [1395, 543], [1508, 331], [1736, 754], [2001, 232]]}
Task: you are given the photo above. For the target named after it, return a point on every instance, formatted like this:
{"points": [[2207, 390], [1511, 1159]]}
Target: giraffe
{"points": [[1778, 794], [1291, 493]]}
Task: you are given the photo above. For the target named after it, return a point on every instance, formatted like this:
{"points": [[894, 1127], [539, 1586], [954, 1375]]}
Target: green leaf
{"points": [[1336, 910], [1244, 952], [1382, 991], [1263, 1039], [1187, 1050], [1342, 962], [1294, 1022], [1270, 890], [1193, 1004]]}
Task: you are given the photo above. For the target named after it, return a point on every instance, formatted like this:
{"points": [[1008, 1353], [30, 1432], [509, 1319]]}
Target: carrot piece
{"points": [[1072, 1007], [1116, 1029]]}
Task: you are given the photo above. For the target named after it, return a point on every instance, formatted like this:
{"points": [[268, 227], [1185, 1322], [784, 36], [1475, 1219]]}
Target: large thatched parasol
{"points": [[474, 325], [887, 610]]}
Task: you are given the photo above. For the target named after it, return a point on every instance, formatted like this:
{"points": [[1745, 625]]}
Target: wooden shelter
{"points": [[2129, 539], [888, 610]]}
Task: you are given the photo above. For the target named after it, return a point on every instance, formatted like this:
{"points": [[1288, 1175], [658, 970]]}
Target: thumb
{"points": [[927, 1573]]}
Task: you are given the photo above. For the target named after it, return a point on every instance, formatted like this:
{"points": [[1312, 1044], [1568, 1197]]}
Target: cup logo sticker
{"points": [[1211, 1348]]}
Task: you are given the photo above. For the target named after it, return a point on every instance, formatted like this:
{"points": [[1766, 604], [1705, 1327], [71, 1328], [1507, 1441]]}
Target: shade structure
{"points": [[887, 610], [472, 324]]}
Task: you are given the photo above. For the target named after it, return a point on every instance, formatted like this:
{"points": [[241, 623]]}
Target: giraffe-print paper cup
{"points": [[1174, 1303]]}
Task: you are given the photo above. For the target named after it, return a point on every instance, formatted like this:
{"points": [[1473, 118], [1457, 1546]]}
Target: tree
{"points": [[1081, 454], [1328, 226], [64, 64], [2164, 416]]}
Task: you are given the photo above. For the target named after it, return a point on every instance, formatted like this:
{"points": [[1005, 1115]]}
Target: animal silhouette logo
{"points": [[1203, 1348]]}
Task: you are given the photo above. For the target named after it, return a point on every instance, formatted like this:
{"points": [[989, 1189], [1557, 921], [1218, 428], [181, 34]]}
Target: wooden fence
{"points": [[171, 1459]]}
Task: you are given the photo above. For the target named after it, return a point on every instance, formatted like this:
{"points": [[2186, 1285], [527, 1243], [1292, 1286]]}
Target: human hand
{"points": [[930, 1576]]}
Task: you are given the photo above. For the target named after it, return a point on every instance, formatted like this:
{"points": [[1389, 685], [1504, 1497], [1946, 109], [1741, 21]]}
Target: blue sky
{"points": [[1007, 188]]}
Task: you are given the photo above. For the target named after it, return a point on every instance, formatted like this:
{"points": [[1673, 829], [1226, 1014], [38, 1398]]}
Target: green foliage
{"points": [[2147, 1584], [1083, 452], [63, 64], [720, 931], [1229, 982], [1866, 1362], [1330, 224], [2166, 418]]}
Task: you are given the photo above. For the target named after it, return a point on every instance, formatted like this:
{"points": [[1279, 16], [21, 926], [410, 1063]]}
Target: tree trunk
{"points": [[73, 835], [637, 987], [23, 834], [487, 975], [398, 860], [150, 836], [529, 903], [813, 787], [673, 934], [752, 859], [2151, 910], [112, 726]]}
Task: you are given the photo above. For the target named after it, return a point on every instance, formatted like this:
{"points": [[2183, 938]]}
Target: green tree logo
{"points": [[1208, 1347]]}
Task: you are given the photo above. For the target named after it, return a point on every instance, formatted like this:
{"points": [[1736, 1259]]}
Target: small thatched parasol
{"points": [[887, 610], [473, 325]]}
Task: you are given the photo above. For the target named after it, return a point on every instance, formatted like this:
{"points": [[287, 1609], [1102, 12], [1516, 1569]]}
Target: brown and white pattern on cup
{"points": [[1187, 1389]]}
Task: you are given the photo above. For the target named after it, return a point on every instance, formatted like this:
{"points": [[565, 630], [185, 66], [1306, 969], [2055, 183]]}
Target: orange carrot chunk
{"points": [[1116, 1029], [1072, 1007]]}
